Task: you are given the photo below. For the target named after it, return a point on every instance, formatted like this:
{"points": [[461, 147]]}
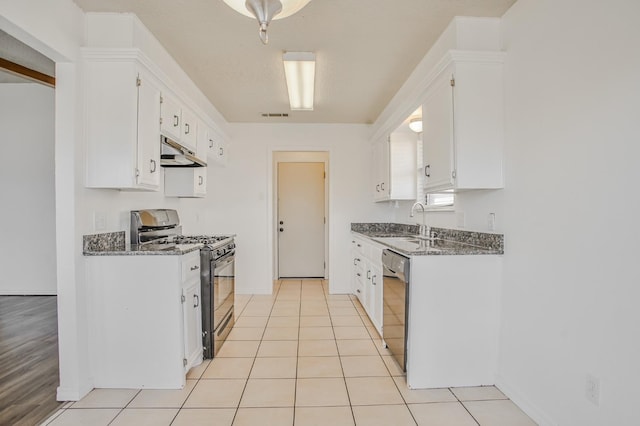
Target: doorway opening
{"points": [[29, 361], [301, 214]]}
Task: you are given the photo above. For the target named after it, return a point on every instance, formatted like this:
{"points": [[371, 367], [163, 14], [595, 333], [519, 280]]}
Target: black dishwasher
{"points": [[395, 300]]}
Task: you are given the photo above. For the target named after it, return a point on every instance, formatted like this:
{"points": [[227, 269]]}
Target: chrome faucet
{"points": [[423, 227]]}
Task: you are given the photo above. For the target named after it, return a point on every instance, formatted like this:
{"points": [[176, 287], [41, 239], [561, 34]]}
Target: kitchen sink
{"points": [[410, 243]]}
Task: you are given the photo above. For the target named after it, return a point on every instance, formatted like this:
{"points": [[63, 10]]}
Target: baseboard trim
{"points": [[532, 410], [73, 394]]}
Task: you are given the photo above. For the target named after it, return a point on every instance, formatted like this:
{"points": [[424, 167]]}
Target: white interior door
{"points": [[301, 220]]}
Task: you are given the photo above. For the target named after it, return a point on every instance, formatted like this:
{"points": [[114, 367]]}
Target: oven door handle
{"points": [[224, 260]]}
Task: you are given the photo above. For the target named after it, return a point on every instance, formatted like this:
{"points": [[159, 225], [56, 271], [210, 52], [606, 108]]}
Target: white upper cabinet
{"points": [[171, 117], [394, 167], [178, 123], [463, 124], [185, 182], [217, 149], [189, 130], [122, 128]]}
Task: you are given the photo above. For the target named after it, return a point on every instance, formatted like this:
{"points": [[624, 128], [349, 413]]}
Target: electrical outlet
{"points": [[592, 389], [491, 223]]}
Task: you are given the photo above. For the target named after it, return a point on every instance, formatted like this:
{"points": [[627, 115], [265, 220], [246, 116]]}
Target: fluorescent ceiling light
{"points": [[300, 72]]}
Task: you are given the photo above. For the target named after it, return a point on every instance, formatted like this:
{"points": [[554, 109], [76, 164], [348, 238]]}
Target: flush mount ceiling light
{"points": [[300, 72], [266, 10], [415, 124]]}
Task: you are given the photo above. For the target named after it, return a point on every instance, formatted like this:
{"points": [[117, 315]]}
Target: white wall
{"points": [[242, 194], [571, 208], [28, 246], [56, 30]]}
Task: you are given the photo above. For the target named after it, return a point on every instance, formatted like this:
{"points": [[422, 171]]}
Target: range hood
{"points": [[173, 154]]}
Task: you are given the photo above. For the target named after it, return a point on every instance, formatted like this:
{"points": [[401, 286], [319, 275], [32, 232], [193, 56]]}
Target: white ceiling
{"points": [[365, 50]]}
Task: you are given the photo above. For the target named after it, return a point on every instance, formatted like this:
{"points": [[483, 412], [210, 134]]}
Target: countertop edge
{"points": [[470, 250], [178, 250]]}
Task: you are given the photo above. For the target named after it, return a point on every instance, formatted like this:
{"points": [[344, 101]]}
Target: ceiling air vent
{"points": [[275, 114]]}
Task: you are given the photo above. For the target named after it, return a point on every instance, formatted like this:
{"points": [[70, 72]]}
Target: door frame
{"points": [[296, 156]]}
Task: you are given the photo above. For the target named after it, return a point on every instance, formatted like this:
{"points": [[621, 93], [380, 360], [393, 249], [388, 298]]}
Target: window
{"points": [[443, 200]]}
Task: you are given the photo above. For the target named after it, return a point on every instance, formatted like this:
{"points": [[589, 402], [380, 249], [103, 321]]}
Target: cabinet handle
{"points": [[210, 143], [382, 186], [176, 121], [221, 151], [359, 245], [373, 280], [200, 180], [186, 128], [153, 166], [378, 187], [358, 274], [427, 170], [196, 301], [194, 268], [369, 274], [358, 290]]}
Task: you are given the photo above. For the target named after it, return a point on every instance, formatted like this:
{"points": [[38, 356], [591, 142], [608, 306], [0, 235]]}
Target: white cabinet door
{"points": [[394, 160], [148, 133], [186, 182], [189, 130], [437, 136], [380, 171], [171, 118], [220, 152], [191, 310], [463, 126], [367, 277], [121, 125], [375, 302], [202, 142], [217, 148]]}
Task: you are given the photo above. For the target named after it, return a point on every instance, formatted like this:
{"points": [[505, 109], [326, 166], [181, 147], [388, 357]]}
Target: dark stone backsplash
{"points": [[385, 229], [479, 239], [108, 241]]}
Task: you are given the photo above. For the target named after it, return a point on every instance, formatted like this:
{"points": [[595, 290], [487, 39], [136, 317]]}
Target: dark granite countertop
{"points": [[113, 244], [405, 239], [148, 250]]}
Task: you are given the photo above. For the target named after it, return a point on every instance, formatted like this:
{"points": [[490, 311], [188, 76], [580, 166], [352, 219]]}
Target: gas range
{"points": [[212, 241], [215, 246], [217, 269]]}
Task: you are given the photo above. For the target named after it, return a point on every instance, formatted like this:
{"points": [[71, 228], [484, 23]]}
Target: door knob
{"points": [[281, 223], [281, 229]]}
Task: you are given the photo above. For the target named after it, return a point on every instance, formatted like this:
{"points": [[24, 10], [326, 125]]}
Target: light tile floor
{"points": [[297, 357]]}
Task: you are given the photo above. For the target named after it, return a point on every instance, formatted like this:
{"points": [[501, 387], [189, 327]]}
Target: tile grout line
{"points": [[246, 383]]}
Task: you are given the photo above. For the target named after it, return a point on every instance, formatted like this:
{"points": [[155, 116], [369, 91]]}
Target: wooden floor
{"points": [[28, 359]]}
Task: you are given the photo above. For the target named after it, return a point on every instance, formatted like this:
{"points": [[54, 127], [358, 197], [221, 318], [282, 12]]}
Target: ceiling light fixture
{"points": [[266, 10], [415, 124], [300, 72]]}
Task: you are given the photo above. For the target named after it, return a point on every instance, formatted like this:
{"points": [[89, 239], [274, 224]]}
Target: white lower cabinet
{"points": [[187, 182], [144, 320], [453, 321], [367, 278]]}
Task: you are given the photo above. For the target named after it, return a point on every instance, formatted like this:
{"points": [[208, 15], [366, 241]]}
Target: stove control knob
{"points": [[219, 252], [232, 245]]}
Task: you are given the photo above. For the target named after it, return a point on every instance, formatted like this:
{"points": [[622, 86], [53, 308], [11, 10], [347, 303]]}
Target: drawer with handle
{"points": [[191, 266]]}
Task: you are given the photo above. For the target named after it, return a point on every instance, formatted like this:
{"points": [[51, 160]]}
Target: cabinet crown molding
{"points": [[418, 95]]}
